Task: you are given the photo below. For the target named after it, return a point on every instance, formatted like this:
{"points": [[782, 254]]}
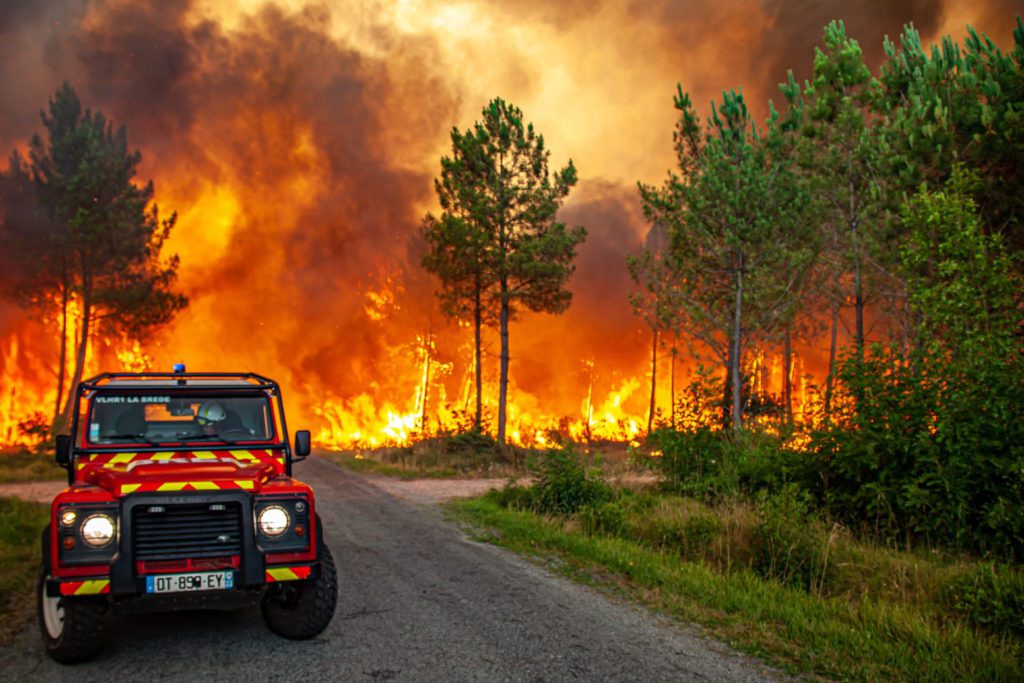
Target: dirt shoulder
{"points": [[433, 491], [33, 491]]}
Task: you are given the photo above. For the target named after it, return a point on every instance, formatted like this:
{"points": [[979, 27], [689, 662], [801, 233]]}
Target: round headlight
{"points": [[68, 517], [98, 530], [273, 520]]}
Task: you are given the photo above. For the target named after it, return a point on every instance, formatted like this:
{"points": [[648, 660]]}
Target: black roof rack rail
{"points": [[255, 381]]}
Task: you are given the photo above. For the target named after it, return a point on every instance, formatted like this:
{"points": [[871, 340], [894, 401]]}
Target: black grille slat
{"points": [[187, 536], [196, 527], [200, 542], [186, 531]]}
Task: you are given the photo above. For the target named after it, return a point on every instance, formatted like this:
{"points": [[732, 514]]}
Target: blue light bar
{"points": [[179, 367]]}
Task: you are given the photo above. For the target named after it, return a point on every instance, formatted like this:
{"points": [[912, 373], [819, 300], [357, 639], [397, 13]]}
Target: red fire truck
{"points": [[180, 496]]}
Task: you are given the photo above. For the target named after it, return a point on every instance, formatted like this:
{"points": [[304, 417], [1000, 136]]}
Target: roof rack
{"points": [[182, 378]]}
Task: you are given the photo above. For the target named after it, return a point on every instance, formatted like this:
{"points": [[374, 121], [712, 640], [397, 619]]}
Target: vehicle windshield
{"points": [[135, 418]]}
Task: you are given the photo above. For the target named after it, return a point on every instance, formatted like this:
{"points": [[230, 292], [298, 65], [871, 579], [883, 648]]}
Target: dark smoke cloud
{"points": [[297, 124], [30, 61], [760, 42], [797, 27], [600, 324]]}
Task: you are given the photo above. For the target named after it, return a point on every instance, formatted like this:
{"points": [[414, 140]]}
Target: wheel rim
{"points": [[53, 615]]}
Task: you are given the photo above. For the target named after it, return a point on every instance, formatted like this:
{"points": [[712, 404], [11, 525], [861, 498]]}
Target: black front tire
{"points": [[72, 628], [298, 610]]}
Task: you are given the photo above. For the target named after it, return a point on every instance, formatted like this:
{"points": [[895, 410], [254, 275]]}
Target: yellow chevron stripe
{"points": [[204, 455], [162, 456], [172, 486], [243, 455], [129, 488], [92, 587], [283, 574], [204, 485], [244, 484], [121, 458]]}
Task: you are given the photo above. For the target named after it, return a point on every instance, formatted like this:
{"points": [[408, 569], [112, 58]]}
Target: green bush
{"points": [[698, 533], [712, 464], [926, 454], [608, 518], [514, 497], [474, 441], [990, 597], [692, 461], [788, 540], [563, 484]]}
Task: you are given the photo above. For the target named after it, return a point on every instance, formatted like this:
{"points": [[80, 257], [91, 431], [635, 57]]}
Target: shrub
{"points": [[514, 496], [691, 461], [605, 518], [990, 597], [699, 531], [789, 544], [564, 485]]}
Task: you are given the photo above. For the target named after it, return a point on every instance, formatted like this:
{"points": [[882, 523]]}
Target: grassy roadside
{"points": [[471, 456], [361, 462], [18, 465], [844, 637], [21, 524]]}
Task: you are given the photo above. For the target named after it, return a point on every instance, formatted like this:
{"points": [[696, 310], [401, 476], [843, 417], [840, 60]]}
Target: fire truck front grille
{"points": [[168, 532]]}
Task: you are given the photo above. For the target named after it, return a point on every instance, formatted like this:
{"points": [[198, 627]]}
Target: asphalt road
{"points": [[418, 601]]}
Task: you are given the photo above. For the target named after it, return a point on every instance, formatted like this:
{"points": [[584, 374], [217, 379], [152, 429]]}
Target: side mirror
{"points": [[302, 443], [63, 450]]}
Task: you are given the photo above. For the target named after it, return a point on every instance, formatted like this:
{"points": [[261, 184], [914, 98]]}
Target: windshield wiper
{"points": [[136, 438], [206, 437]]}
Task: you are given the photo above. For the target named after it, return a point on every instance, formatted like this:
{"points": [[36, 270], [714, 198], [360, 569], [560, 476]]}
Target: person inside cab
{"points": [[210, 416]]}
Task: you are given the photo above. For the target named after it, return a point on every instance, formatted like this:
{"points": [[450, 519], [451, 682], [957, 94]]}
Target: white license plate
{"points": [[195, 581]]}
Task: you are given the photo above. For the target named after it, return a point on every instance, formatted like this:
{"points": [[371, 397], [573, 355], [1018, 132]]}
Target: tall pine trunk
{"points": [[63, 362], [858, 293], [787, 381], [426, 382], [503, 380], [672, 387], [80, 356], [654, 380], [477, 321], [736, 349], [830, 380]]}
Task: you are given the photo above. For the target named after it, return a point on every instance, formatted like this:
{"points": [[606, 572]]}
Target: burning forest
{"points": [[297, 145]]}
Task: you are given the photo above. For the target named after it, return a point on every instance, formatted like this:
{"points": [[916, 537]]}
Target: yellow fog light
{"points": [[98, 530], [68, 517], [273, 520]]}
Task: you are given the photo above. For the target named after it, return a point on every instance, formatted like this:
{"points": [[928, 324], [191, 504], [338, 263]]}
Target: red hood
{"points": [[126, 473]]}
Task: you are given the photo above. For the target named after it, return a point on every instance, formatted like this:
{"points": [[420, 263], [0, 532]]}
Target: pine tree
{"points": [[740, 248], [103, 233], [499, 203]]}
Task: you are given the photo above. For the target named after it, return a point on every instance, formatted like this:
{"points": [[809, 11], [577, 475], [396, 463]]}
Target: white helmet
{"points": [[209, 412]]}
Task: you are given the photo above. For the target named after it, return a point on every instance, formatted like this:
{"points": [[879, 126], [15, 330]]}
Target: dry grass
{"points": [[18, 464]]}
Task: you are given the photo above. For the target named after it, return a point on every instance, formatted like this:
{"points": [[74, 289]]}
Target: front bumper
{"points": [[126, 576]]}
